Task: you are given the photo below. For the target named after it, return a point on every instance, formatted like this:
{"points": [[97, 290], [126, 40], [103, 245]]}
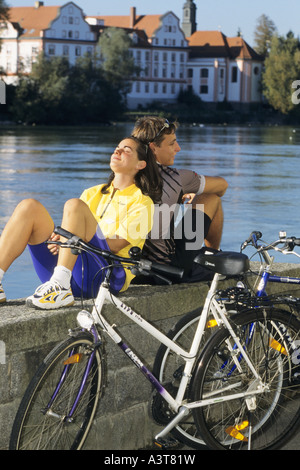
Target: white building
{"points": [[223, 68], [214, 66], [57, 31]]}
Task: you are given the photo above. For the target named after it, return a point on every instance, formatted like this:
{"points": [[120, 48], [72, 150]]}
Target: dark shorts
{"points": [[191, 232], [88, 272]]}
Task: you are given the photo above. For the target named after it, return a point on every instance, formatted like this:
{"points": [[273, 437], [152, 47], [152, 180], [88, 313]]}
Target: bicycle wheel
{"points": [[261, 421], [43, 421], [168, 368]]}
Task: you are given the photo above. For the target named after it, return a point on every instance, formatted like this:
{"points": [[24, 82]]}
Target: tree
{"points": [[265, 29], [4, 14], [117, 61], [4, 11], [282, 68], [59, 93]]}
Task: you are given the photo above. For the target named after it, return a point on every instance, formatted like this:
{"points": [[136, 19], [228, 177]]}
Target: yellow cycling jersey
{"points": [[126, 213]]}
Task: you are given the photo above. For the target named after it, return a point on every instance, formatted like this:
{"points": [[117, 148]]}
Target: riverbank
{"points": [[189, 112]]}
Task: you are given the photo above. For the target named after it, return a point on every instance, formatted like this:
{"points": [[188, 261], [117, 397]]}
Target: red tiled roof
{"points": [[216, 44], [147, 23], [33, 20], [240, 49]]}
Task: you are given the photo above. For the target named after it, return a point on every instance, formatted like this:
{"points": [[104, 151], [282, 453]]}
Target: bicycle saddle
{"points": [[228, 263]]}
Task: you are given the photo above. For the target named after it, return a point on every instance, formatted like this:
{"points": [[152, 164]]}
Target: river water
{"points": [[261, 165]]}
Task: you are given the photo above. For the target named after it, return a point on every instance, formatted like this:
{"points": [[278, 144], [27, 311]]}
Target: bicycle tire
{"points": [[275, 415], [168, 368], [35, 428]]}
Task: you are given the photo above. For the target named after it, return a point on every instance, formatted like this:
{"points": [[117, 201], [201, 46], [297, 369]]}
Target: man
{"points": [[169, 242]]}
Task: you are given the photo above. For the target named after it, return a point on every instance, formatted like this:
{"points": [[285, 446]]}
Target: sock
{"points": [[63, 276], [1, 274]]}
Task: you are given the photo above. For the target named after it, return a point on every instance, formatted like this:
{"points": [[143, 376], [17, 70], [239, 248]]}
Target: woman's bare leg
{"points": [[77, 219], [30, 223]]}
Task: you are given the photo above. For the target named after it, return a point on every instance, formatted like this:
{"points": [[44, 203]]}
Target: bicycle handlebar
{"points": [[288, 243], [141, 265]]}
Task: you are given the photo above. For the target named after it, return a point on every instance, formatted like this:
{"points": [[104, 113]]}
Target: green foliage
{"points": [[265, 30], [3, 10], [58, 93], [282, 68], [117, 61]]}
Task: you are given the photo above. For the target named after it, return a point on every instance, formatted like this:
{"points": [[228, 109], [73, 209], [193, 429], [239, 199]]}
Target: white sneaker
{"points": [[2, 295], [51, 295]]}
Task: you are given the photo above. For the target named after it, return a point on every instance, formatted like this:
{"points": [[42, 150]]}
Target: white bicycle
{"points": [[228, 389]]}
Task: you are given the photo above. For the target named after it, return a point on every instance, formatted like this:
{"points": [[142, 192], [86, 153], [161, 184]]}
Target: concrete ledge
{"points": [[122, 421]]}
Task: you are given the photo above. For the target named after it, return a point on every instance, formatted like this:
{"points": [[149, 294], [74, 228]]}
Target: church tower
{"points": [[189, 25]]}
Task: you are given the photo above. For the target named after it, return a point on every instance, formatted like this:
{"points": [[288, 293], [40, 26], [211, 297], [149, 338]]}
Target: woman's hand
{"points": [[188, 198], [54, 248]]}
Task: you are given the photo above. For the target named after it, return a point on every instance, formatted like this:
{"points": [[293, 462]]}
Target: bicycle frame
{"points": [[266, 275], [211, 305]]}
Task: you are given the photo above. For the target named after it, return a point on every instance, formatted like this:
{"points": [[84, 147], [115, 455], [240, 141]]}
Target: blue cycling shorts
{"points": [[88, 272]]}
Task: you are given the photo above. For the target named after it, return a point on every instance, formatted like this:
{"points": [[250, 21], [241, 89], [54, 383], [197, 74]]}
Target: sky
{"points": [[228, 16]]}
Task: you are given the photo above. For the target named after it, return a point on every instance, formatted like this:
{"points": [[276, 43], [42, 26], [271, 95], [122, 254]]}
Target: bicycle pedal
{"points": [[167, 443]]}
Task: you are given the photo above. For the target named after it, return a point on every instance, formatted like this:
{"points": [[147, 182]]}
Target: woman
{"points": [[114, 216]]}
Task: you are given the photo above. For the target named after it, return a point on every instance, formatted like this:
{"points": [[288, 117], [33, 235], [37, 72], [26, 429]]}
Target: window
{"points": [[204, 73], [70, 34], [66, 50], [203, 89], [51, 50], [190, 73], [78, 51], [234, 74]]}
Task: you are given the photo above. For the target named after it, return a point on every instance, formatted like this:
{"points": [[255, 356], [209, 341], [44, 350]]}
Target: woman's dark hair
{"points": [[148, 180]]}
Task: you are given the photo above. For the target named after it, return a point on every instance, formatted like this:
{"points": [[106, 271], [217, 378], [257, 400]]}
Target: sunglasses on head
{"points": [[165, 126]]}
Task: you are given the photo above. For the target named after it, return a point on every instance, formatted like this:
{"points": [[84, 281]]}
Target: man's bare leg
{"points": [[213, 208]]}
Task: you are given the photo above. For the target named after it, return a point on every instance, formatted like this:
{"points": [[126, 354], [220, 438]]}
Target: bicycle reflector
{"points": [[277, 346], [75, 359], [234, 431], [211, 324]]}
